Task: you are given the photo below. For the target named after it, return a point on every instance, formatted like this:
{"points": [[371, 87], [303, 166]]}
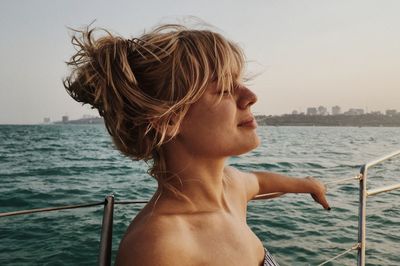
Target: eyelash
{"points": [[229, 92]]}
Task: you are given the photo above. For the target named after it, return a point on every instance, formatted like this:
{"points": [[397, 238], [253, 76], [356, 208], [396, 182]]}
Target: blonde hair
{"points": [[138, 85]]}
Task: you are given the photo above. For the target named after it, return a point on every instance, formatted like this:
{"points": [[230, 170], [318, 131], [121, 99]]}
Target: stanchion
{"points": [[106, 232]]}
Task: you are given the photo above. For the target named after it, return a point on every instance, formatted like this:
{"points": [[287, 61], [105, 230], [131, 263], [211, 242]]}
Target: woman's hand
{"points": [[319, 191]]}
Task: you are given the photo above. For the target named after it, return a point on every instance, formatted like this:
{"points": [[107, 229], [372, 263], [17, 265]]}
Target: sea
{"points": [[55, 165]]}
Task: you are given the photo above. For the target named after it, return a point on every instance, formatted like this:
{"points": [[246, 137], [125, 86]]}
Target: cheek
{"points": [[212, 130], [205, 131], [218, 139], [211, 118]]}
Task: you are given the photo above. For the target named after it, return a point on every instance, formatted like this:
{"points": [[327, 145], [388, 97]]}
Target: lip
{"points": [[248, 122]]}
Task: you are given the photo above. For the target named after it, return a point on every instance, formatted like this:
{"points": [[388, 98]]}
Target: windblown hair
{"points": [[138, 85]]}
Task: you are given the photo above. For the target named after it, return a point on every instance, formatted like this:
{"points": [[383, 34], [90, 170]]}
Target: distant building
{"points": [[312, 111], [46, 120], [65, 119], [376, 113], [336, 110], [295, 112], [322, 110], [391, 112], [354, 111]]}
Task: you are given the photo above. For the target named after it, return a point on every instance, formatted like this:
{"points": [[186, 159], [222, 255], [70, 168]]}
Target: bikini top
{"points": [[269, 260]]}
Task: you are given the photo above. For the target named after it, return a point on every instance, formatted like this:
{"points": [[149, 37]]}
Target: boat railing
{"points": [[363, 194], [109, 202]]}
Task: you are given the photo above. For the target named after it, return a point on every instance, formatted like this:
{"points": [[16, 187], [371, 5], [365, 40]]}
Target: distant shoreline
{"points": [[365, 120], [91, 120]]}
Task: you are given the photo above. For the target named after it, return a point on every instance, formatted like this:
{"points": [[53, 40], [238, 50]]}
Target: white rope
{"points": [[278, 194], [343, 180], [356, 246], [5, 214], [268, 195], [49, 209]]}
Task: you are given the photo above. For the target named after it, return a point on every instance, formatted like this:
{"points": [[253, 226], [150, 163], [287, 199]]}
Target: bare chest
{"points": [[225, 241]]}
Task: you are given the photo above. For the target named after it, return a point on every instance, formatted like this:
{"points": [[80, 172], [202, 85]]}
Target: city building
{"points": [[376, 113], [46, 120], [336, 110], [354, 111], [294, 112], [322, 110], [65, 119], [391, 112], [312, 111]]}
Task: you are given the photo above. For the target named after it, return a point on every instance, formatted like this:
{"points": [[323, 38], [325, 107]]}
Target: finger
{"points": [[324, 203], [321, 200]]}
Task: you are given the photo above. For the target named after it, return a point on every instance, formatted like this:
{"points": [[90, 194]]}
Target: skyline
{"points": [[306, 53], [350, 111]]}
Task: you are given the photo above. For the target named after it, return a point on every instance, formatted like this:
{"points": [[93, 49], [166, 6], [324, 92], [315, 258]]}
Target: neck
{"points": [[201, 180]]}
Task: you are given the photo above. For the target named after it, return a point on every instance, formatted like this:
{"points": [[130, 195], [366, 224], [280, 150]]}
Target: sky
{"points": [[303, 53]]}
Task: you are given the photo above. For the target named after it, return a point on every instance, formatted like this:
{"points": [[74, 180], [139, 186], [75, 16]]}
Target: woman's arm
{"points": [[258, 183]]}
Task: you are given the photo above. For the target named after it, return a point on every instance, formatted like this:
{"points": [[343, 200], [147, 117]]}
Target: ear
{"points": [[168, 127]]}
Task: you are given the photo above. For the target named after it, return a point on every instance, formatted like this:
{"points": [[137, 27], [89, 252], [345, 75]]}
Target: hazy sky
{"points": [[309, 53]]}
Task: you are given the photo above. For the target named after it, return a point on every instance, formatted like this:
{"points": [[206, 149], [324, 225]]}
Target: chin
{"points": [[249, 145], [255, 143]]}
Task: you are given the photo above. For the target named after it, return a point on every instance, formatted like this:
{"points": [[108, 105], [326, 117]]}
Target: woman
{"points": [[176, 97]]}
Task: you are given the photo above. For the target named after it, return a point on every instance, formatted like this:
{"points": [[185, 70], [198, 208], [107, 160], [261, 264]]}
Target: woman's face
{"points": [[214, 128]]}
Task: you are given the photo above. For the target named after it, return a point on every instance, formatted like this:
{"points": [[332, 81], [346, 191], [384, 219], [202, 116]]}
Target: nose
{"points": [[246, 97]]}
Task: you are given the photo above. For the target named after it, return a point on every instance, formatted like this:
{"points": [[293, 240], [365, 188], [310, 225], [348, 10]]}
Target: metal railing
{"points": [[364, 193], [109, 202], [106, 227]]}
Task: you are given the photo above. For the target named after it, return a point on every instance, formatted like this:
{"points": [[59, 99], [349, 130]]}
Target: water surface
{"points": [[50, 165]]}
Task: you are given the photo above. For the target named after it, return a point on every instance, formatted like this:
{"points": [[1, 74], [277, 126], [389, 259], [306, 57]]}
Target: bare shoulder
{"points": [[247, 180], [156, 243]]}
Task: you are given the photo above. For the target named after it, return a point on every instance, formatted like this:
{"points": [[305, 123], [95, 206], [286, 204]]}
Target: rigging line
{"points": [[343, 180], [268, 195], [356, 246], [278, 194], [5, 214], [131, 202]]}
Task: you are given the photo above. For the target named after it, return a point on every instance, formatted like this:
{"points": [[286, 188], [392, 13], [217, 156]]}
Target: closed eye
{"points": [[224, 92]]}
